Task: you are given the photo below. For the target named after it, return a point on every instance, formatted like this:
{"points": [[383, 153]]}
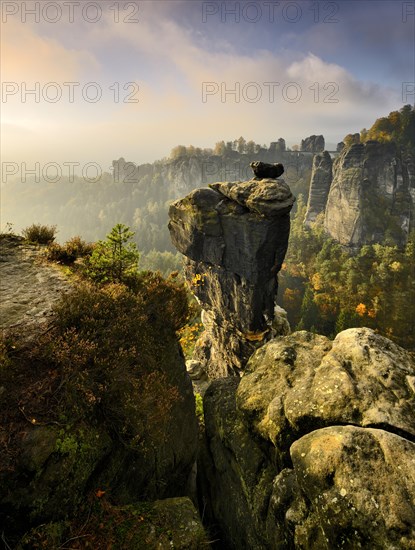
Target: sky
{"points": [[84, 82]]}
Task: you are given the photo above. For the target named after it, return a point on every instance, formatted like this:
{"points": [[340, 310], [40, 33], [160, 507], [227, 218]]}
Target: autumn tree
{"points": [[219, 148], [178, 151]]}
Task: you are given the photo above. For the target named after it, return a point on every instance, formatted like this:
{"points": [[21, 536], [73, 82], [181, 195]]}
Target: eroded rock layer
{"points": [[235, 237], [321, 177], [370, 195]]}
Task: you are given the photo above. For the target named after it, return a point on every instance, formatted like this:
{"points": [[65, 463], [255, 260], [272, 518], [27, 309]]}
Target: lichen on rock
{"points": [[314, 446]]}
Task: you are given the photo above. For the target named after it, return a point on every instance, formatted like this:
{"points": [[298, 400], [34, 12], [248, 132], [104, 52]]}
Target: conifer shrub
{"points": [[39, 234], [114, 260]]}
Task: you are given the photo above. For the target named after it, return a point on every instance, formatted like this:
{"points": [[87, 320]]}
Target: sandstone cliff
{"points": [[313, 144], [315, 446], [234, 236], [370, 196], [321, 178]]}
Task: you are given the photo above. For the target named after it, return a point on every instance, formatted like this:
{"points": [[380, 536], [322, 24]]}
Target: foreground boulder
{"points": [[314, 446], [235, 237]]}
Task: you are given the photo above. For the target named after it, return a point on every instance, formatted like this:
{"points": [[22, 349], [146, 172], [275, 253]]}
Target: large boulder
{"points": [[235, 237], [314, 446]]}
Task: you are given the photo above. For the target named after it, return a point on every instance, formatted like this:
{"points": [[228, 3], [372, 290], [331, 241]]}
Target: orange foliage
{"points": [[361, 309]]}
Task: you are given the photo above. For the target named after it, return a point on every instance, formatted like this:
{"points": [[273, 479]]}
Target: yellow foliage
{"points": [[188, 336], [291, 295], [316, 281], [396, 266], [198, 279], [256, 336]]}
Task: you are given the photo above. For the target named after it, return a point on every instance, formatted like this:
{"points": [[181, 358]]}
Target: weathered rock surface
{"points": [[279, 146], [360, 488], [313, 144], [169, 523], [314, 446], [321, 177], [370, 196], [28, 287], [235, 237]]}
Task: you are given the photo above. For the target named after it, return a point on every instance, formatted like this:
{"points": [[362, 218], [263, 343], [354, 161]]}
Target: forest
{"points": [[326, 289], [323, 287]]}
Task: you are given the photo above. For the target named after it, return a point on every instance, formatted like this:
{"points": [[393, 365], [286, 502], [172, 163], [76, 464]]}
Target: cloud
{"points": [[29, 57], [171, 62]]}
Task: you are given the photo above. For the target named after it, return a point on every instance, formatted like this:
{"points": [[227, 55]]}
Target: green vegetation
{"points": [[114, 260], [326, 289], [165, 262], [101, 379], [40, 234], [199, 410], [100, 524], [103, 359]]}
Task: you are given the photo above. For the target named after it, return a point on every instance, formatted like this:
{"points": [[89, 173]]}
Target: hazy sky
{"points": [[134, 79]]}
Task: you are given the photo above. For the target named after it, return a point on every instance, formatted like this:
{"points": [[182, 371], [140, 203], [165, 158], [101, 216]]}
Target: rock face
{"points": [[235, 237], [369, 197], [367, 194], [321, 177], [124, 172], [313, 144], [28, 287], [315, 446], [277, 146]]}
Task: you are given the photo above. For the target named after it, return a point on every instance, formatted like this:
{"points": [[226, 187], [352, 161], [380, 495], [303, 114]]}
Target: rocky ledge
{"points": [[315, 446], [234, 236], [29, 286]]}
